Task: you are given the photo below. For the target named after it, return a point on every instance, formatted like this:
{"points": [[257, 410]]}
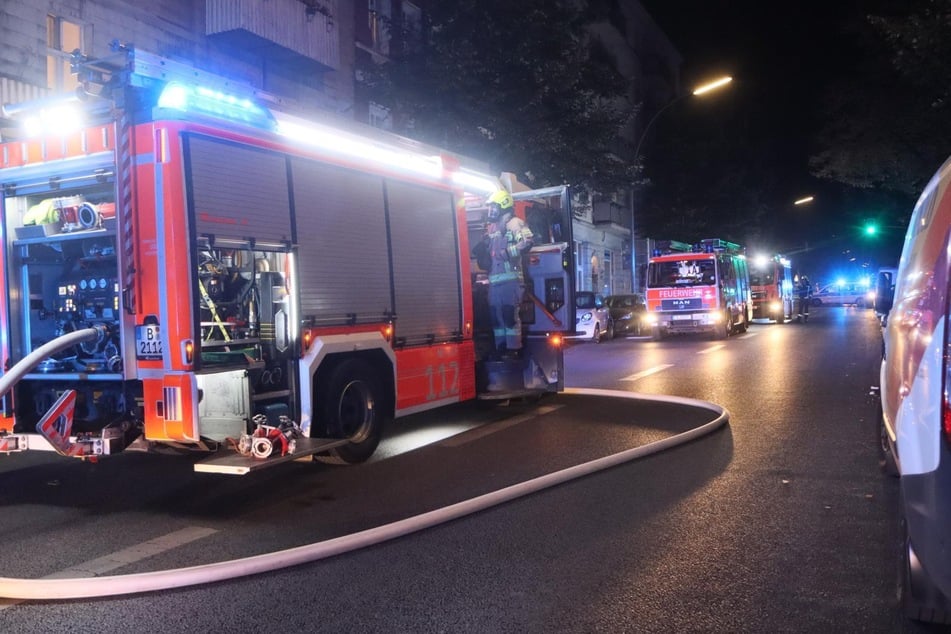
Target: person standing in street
{"points": [[804, 292], [508, 237]]}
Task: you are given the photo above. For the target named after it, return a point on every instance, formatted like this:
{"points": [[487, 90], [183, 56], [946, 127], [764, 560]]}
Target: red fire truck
{"points": [[771, 285], [185, 266], [698, 287]]}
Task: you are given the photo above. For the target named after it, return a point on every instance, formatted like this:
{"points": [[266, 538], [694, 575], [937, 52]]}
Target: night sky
{"points": [[783, 57]]}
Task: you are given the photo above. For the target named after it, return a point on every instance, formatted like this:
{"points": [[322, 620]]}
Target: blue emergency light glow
{"points": [[214, 103]]}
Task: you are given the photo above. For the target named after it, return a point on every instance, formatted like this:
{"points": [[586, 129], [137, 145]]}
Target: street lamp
{"points": [[804, 200], [696, 92]]}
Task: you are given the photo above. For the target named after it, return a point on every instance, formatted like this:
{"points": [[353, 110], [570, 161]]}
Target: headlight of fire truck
{"points": [[774, 307], [649, 318]]}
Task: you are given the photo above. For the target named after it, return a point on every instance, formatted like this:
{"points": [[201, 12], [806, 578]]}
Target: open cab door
{"points": [[547, 310]]}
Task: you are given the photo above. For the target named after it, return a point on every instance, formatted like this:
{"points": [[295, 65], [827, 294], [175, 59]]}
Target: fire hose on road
{"points": [[47, 589]]}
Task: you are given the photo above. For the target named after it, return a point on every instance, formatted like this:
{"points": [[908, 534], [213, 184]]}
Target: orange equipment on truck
{"points": [[698, 287], [771, 285], [185, 266]]}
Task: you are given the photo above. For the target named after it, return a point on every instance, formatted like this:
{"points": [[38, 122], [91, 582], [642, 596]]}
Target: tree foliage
{"points": [[522, 85], [887, 126]]}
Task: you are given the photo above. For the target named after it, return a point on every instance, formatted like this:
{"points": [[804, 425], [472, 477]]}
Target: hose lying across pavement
{"points": [[166, 579]]}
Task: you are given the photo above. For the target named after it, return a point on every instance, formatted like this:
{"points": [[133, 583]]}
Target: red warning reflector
{"points": [[57, 424]]}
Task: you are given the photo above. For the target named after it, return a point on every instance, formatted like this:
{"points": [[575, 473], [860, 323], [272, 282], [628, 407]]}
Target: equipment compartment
{"points": [[67, 280]]}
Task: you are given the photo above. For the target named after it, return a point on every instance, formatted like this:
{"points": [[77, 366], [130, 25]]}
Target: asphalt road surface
{"points": [[779, 522]]}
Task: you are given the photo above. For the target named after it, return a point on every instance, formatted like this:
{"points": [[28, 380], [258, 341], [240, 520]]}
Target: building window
{"points": [[62, 38], [378, 12], [380, 117], [580, 262], [412, 26], [607, 280]]}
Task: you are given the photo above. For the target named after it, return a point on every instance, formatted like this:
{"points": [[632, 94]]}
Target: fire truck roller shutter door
{"points": [[425, 263], [239, 191], [343, 261]]}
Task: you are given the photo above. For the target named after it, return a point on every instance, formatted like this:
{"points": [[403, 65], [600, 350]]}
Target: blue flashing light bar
{"points": [[217, 104]]}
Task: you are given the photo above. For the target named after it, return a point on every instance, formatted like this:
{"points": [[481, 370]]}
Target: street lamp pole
{"points": [[696, 92], [640, 142]]}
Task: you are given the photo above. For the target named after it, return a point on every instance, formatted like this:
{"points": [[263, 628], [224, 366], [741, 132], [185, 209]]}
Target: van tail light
{"points": [[946, 419], [945, 404]]}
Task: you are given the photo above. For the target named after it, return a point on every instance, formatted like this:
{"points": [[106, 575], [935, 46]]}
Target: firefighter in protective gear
{"points": [[507, 237], [804, 291]]}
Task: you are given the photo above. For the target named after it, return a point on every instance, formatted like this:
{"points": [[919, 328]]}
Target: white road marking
{"points": [[648, 372], [480, 432], [711, 348], [126, 556]]}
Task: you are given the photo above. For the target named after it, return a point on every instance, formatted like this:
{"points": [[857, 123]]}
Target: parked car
{"points": [[915, 414], [844, 294], [592, 318], [626, 312]]}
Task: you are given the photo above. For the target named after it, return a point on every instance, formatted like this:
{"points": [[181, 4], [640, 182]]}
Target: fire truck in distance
{"points": [[702, 287], [184, 266], [771, 285]]}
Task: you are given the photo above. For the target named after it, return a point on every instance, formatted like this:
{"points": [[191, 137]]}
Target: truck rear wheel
{"points": [[350, 406]]}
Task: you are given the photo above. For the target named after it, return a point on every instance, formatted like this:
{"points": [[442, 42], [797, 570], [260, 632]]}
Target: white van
{"points": [[916, 412]]}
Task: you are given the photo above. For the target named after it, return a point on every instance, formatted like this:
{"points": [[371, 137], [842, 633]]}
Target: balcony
{"points": [[612, 213], [288, 32]]}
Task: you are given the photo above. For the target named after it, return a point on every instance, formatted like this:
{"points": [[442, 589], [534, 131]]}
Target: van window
{"points": [[921, 216]]}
